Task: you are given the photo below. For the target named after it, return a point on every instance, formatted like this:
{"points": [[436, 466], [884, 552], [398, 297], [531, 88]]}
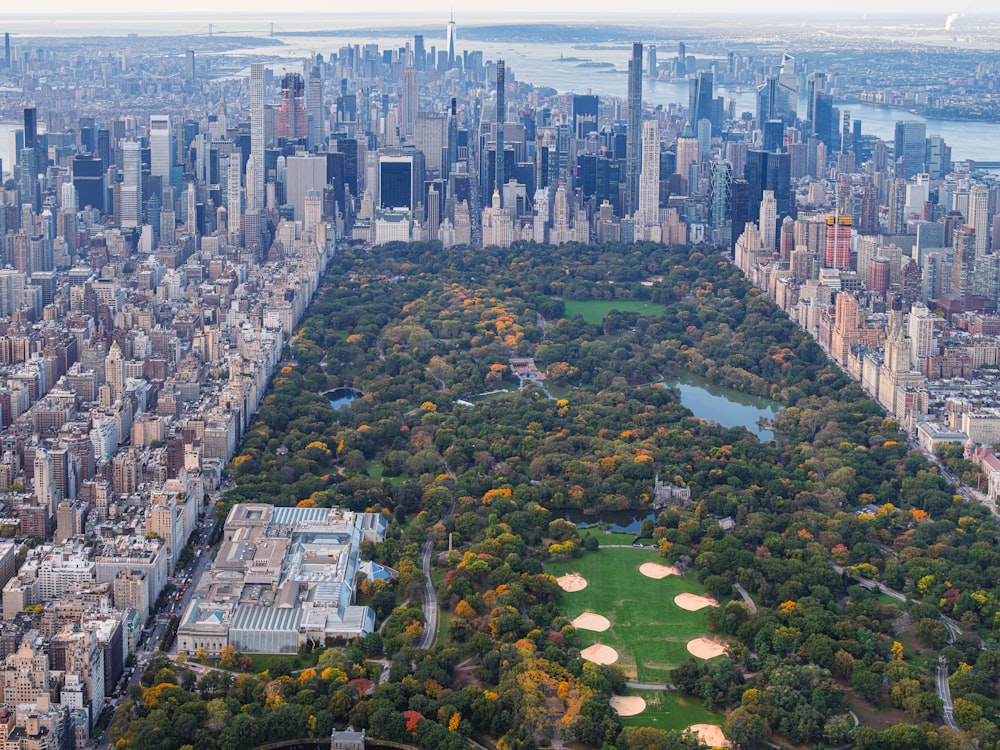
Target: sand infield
{"points": [[591, 621], [710, 734], [627, 705], [572, 582], [657, 571], [600, 654], [705, 648], [693, 602]]}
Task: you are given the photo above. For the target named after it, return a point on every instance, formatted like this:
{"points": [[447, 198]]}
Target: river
{"points": [[537, 63]]}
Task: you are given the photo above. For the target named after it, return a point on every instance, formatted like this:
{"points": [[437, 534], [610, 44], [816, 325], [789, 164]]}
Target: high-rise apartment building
{"points": [[648, 213], [256, 137], [634, 134]]}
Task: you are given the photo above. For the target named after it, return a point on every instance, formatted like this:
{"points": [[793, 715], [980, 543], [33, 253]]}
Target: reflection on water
{"points": [[725, 406], [341, 398], [621, 521]]}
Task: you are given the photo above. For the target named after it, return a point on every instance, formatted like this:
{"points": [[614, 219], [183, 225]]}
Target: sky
{"points": [[528, 10]]}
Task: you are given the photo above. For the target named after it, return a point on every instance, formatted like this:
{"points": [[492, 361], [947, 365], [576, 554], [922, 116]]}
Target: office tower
{"points": [[633, 132], [501, 119], [938, 157], [651, 61], [700, 98], [293, 119], [768, 221], [838, 242], [979, 215], [767, 171], [130, 201], [395, 182], [256, 137], [408, 101], [88, 179], [788, 89], [911, 147], [31, 129], [314, 104], [419, 54], [6, 50], [430, 136], [303, 173], [451, 41], [897, 207], [648, 214], [189, 65], [161, 147], [29, 178], [681, 70], [584, 115]]}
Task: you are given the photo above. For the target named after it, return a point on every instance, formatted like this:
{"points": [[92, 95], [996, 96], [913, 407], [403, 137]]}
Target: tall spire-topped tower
{"points": [[451, 40]]}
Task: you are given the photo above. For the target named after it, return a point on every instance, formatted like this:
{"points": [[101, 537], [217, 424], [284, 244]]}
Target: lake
{"points": [[725, 406], [618, 521], [341, 398]]}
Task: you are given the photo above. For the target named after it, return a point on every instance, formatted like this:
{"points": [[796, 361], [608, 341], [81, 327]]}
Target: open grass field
{"points": [[670, 710], [594, 310], [649, 632]]}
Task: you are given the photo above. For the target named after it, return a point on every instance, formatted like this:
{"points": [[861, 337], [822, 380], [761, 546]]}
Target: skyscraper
{"points": [[979, 215], [501, 118], [130, 212], [161, 147], [838, 241], [408, 101], [700, 99], [633, 133], [234, 197], [314, 104], [451, 41], [293, 120], [768, 221], [911, 147], [649, 179], [256, 136]]}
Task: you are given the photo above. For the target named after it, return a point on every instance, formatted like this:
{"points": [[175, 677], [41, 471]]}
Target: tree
{"points": [[747, 731]]}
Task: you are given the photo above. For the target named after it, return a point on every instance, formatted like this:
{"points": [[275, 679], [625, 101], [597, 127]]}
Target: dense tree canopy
{"points": [[447, 444]]}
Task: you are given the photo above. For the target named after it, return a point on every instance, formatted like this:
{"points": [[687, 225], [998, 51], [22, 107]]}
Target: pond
{"points": [[725, 406], [618, 521], [341, 398]]}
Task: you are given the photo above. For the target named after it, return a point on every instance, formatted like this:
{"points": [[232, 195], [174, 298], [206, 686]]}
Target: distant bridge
{"points": [[982, 165]]}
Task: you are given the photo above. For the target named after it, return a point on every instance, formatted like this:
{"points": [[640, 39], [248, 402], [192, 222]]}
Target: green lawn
{"points": [[649, 632], [374, 469], [289, 662], [595, 310], [671, 710]]}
